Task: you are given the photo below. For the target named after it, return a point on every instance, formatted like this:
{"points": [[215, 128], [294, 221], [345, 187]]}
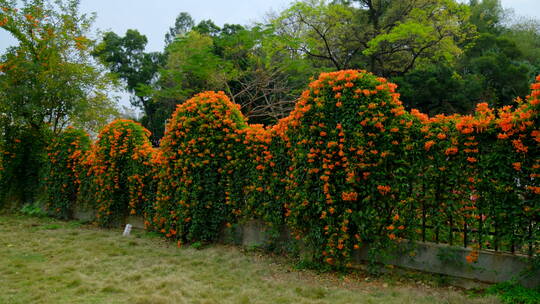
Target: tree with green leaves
{"points": [[53, 50], [495, 66], [182, 25], [246, 62], [436, 89], [487, 15], [126, 58], [386, 37], [47, 82]]}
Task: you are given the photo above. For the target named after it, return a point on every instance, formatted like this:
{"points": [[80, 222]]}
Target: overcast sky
{"points": [[153, 18]]}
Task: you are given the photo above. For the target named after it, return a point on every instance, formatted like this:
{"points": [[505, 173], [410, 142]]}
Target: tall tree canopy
{"points": [[126, 58], [48, 78], [386, 37], [47, 82]]}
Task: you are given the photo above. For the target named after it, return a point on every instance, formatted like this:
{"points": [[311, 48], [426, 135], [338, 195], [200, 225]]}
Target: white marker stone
{"points": [[127, 230]]}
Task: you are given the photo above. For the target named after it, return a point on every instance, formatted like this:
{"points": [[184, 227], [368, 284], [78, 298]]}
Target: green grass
{"points": [[48, 261], [513, 293]]}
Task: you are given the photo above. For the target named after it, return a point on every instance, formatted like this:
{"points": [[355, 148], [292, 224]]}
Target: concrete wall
{"points": [[491, 267]]}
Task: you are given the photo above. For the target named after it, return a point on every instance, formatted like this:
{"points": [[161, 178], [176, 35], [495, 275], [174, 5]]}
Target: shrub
{"points": [[265, 166], [348, 140], [201, 169], [62, 180], [480, 172], [23, 157], [119, 172]]}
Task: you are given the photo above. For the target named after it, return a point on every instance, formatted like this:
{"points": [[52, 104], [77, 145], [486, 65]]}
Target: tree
{"points": [[386, 37], [182, 25], [410, 33], [500, 63], [525, 33], [207, 27], [322, 31], [126, 58], [437, 89], [244, 62], [487, 15], [48, 78], [47, 82]]}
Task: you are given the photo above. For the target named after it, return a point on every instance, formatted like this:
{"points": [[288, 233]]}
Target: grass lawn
{"points": [[49, 261]]}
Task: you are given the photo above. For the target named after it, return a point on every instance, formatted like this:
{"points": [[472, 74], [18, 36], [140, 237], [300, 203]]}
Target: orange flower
{"points": [[471, 159], [518, 145], [441, 136], [383, 189], [534, 189], [517, 166], [451, 151], [349, 196], [429, 144]]}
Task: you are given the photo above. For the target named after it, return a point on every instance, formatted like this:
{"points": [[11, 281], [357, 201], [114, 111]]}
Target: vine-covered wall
{"points": [[349, 166]]}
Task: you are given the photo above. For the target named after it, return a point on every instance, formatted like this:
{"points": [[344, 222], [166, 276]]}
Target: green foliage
{"points": [[514, 293], [126, 58], [191, 67], [200, 171], [63, 170], [322, 31], [435, 89], [495, 58], [182, 25], [53, 50], [33, 210], [487, 15], [23, 156], [47, 82], [118, 180], [387, 37], [431, 31]]}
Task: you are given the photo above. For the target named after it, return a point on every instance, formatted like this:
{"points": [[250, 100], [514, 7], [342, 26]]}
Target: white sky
{"points": [[153, 18]]}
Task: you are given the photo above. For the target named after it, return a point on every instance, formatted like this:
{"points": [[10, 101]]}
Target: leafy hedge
{"points": [[118, 178], [63, 171], [349, 147], [349, 166], [200, 169], [23, 159]]}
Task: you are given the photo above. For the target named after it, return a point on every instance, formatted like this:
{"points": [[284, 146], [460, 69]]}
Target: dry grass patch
{"points": [[48, 261]]}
